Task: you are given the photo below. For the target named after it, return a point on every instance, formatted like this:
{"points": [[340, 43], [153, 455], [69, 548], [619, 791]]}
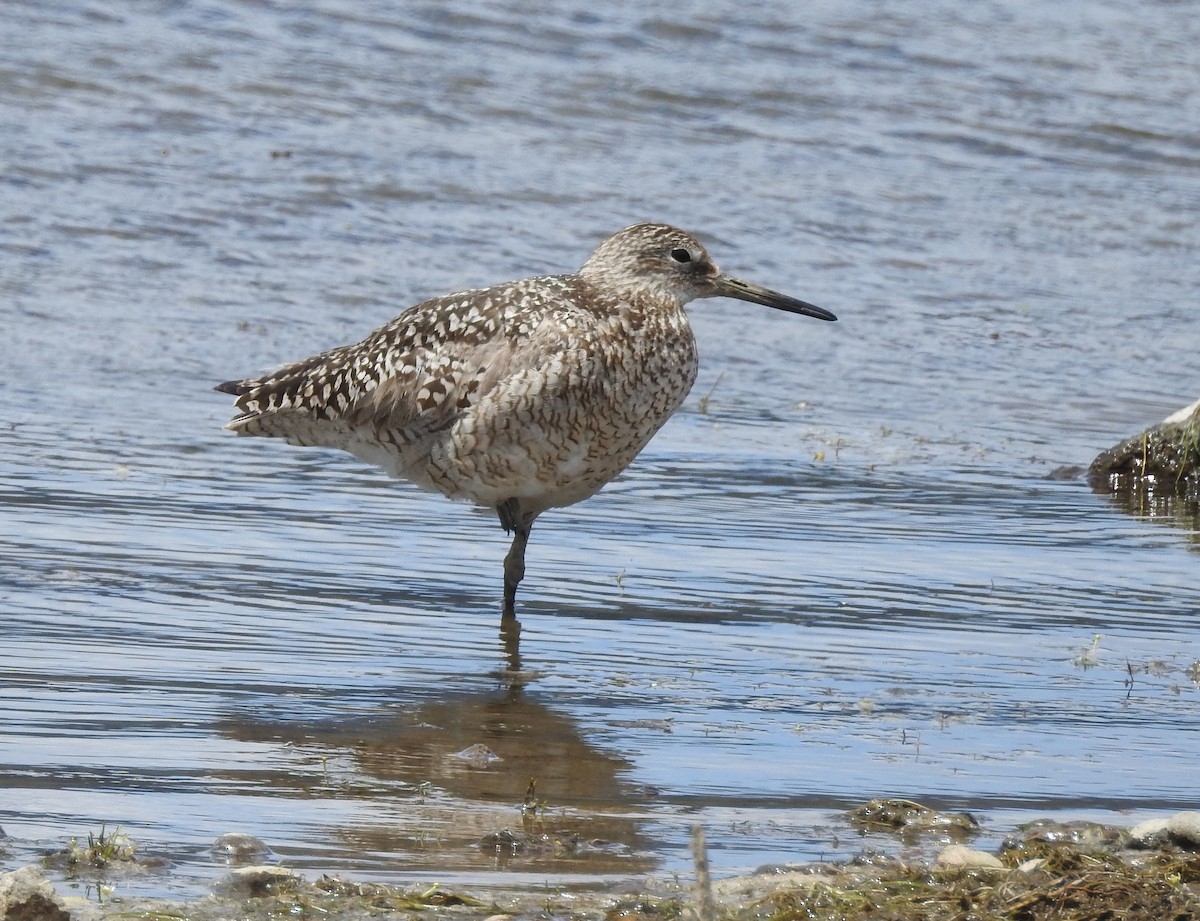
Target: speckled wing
{"points": [[410, 378]]}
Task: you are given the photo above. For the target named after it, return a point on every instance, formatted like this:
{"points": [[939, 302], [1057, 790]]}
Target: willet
{"points": [[522, 397]]}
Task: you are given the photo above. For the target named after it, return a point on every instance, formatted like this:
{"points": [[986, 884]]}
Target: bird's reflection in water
{"points": [[472, 781]]}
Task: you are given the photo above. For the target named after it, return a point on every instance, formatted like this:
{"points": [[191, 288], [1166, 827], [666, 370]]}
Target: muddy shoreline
{"points": [[1044, 870]]}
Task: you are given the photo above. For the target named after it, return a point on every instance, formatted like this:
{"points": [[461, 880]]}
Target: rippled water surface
{"points": [[842, 571]]}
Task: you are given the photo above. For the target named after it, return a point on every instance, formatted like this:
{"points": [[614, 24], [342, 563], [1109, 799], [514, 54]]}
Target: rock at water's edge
{"points": [[1167, 454], [26, 895]]}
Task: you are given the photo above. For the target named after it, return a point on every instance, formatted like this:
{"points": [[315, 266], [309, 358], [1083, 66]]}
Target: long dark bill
{"points": [[746, 291]]}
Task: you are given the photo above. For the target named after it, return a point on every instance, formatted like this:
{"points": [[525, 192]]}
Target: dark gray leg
{"points": [[514, 572], [512, 519]]}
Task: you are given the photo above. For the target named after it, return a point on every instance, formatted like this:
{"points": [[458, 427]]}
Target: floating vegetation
{"points": [[1089, 657], [106, 856], [101, 851], [390, 898]]}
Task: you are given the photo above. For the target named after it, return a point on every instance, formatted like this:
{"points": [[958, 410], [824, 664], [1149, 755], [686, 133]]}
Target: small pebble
{"points": [[959, 857]]}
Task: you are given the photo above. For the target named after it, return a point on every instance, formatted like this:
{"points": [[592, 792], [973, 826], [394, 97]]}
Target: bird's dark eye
{"points": [[681, 255]]}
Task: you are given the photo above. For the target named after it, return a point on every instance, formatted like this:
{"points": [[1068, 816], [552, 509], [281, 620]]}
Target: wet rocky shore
{"points": [[1043, 870]]}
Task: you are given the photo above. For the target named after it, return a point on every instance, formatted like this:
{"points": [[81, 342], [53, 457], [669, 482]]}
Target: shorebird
{"points": [[522, 397]]}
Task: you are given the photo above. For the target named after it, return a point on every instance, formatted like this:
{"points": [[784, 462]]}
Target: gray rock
{"points": [[259, 881], [1166, 455], [1184, 829], [1149, 834], [240, 848], [26, 895], [905, 816], [1089, 835]]}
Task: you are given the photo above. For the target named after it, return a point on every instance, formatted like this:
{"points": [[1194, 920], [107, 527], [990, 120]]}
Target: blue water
{"points": [[840, 572]]}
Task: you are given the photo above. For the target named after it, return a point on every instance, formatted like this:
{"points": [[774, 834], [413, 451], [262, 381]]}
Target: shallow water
{"points": [[841, 571]]}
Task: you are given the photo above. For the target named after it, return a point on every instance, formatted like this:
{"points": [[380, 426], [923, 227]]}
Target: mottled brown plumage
{"points": [[522, 397]]}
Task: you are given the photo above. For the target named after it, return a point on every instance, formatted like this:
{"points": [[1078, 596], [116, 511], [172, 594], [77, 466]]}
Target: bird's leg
{"points": [[514, 571], [513, 520]]}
